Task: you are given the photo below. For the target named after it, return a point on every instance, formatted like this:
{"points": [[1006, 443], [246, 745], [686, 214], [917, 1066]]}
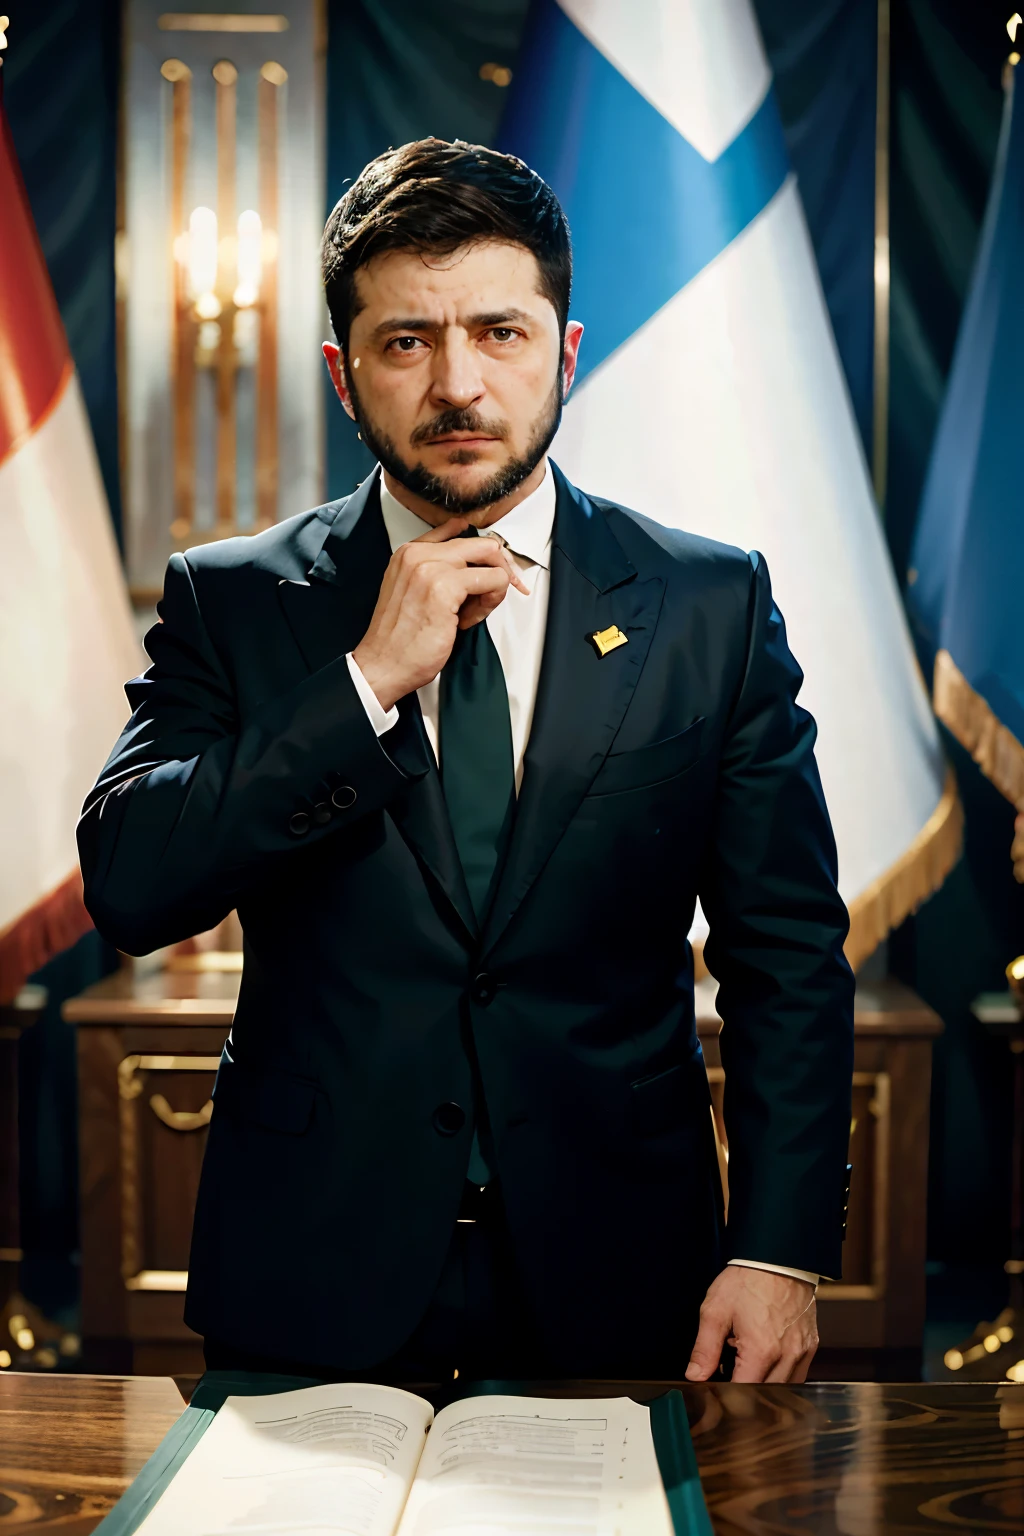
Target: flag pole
{"points": [[880, 422]]}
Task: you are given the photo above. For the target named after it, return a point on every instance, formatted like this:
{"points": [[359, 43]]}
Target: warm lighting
{"points": [[1016, 1372], [219, 21], [249, 260], [209, 336], [497, 74], [991, 1342], [16, 1322], [953, 1360], [5, 1359], [208, 306], [25, 1338], [5, 22], [1005, 1334], [224, 72], [175, 70], [202, 251], [1014, 58], [1012, 25], [275, 73], [245, 335]]}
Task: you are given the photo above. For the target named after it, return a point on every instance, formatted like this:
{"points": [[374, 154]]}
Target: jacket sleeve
{"points": [[777, 928], [195, 803]]}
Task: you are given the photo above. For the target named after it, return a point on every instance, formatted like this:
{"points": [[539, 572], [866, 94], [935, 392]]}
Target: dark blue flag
{"points": [[966, 592]]}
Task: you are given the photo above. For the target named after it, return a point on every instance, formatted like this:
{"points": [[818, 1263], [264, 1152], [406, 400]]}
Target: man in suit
{"points": [[463, 748]]}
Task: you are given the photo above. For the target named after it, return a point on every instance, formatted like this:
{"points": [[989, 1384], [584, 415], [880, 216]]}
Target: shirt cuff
{"points": [[381, 719], [775, 1269]]}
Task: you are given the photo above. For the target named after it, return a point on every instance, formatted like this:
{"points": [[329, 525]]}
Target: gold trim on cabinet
{"points": [[129, 1087], [879, 1107], [180, 1119], [158, 1280]]}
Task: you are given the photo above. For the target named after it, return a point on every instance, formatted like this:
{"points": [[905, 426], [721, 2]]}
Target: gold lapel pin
{"points": [[605, 640]]}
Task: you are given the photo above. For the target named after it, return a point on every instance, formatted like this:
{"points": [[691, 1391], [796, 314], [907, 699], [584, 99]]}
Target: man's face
{"points": [[454, 371]]}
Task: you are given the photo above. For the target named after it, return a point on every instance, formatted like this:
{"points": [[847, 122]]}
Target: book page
{"points": [[494, 1466], [335, 1460]]}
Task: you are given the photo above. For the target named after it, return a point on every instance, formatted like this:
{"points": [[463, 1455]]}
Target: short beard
{"points": [[435, 488]]}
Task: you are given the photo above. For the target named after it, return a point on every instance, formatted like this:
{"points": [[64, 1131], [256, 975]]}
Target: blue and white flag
{"points": [[710, 394], [967, 565]]}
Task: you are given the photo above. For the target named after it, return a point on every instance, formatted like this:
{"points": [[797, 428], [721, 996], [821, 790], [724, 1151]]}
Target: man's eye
{"points": [[502, 332], [405, 343]]}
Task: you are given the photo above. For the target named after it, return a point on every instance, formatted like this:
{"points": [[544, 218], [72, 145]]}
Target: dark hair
{"points": [[432, 196]]}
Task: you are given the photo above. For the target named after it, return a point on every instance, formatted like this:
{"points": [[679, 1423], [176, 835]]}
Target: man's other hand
{"points": [[769, 1319]]}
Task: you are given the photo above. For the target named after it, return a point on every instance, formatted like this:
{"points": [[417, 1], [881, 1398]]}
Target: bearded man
{"points": [[463, 748]]}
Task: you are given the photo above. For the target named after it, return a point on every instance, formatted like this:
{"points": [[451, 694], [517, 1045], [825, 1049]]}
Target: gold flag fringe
{"points": [[56, 922], [915, 876], [998, 753]]}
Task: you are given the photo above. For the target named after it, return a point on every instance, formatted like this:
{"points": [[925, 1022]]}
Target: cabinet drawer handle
{"points": [[181, 1119]]}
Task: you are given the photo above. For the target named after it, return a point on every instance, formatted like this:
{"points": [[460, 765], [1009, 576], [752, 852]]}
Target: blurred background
{"points": [[178, 168]]}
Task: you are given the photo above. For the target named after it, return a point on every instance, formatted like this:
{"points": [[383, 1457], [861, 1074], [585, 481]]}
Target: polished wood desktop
{"points": [[70, 1445], [860, 1458]]}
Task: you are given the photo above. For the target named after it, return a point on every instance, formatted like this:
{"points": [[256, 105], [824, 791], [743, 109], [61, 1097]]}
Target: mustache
{"points": [[458, 419]]}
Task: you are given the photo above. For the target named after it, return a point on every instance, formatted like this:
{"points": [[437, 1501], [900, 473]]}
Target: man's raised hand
{"points": [[433, 587]]}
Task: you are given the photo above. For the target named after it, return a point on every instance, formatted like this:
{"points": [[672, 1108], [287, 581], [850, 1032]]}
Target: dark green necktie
{"points": [[477, 767], [479, 782]]}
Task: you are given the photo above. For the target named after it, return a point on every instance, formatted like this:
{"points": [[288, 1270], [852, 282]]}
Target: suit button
{"points": [[484, 989], [322, 813], [298, 825], [449, 1119], [343, 797]]}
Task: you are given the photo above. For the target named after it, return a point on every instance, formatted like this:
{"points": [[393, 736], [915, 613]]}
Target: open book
{"points": [[375, 1461]]}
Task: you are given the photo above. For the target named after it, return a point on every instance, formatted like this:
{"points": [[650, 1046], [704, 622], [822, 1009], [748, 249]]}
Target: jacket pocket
{"points": [[672, 1100], [649, 765], [273, 1100]]}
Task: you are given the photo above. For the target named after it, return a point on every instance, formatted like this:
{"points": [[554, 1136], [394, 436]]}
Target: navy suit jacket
{"points": [[676, 765]]}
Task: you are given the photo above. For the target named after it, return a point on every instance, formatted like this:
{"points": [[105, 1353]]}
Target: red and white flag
{"points": [[67, 642]]}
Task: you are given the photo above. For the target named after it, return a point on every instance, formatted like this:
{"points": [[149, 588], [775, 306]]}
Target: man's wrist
{"points": [[778, 1269], [377, 679], [380, 717]]}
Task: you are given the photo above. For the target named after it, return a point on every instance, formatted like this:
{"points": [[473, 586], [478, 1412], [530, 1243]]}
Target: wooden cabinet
{"points": [[148, 1051]]}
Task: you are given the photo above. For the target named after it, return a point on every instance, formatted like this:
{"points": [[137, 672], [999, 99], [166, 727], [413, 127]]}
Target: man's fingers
{"points": [[753, 1365], [455, 554], [784, 1369], [449, 529], [803, 1365], [707, 1347]]}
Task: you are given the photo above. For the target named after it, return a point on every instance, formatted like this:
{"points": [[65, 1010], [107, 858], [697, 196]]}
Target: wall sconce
{"points": [[225, 320]]}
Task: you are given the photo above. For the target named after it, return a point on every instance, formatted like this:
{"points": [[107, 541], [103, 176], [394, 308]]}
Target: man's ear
{"points": [[336, 368], [570, 354]]}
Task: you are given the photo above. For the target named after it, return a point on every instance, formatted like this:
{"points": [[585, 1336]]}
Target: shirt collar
{"points": [[527, 528]]}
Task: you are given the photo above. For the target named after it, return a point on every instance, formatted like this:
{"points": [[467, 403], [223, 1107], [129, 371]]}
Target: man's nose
{"points": [[457, 380]]}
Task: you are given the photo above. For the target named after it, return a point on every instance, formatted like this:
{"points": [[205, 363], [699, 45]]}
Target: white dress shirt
{"points": [[517, 628]]}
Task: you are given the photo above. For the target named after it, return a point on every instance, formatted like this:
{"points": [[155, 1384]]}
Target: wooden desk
{"points": [[860, 1458], [856, 1458], [147, 1050], [70, 1445]]}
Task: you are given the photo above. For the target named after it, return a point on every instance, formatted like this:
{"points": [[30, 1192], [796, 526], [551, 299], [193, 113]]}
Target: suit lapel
{"points": [[329, 614], [581, 697]]}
